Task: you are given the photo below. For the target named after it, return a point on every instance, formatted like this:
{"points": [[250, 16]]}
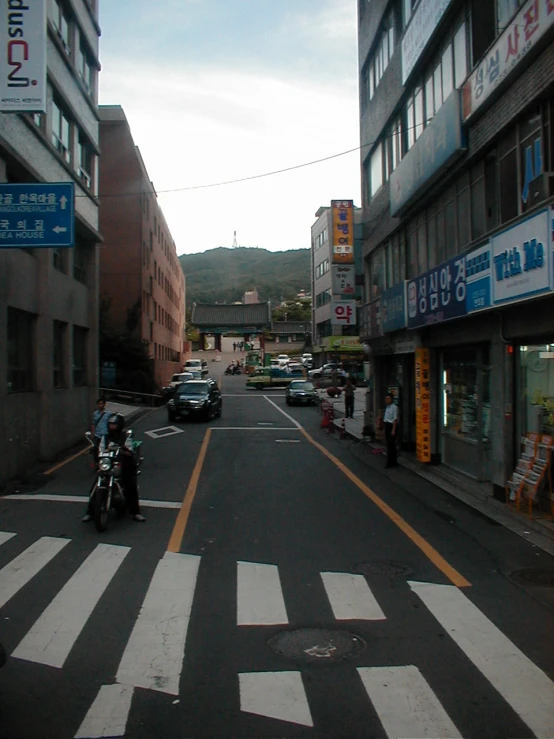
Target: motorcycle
{"points": [[107, 492], [233, 370]]}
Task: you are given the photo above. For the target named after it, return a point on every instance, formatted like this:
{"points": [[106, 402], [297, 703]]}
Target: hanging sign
{"points": [[423, 405]]}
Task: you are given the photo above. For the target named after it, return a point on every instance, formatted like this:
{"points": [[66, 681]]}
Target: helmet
{"points": [[116, 422]]}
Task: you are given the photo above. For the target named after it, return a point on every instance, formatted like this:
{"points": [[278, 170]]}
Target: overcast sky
{"points": [[216, 90]]}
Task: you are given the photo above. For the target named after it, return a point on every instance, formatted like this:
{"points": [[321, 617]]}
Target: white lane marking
{"points": [[52, 498], [260, 599], [25, 566], [518, 680], [163, 432], [351, 597], [52, 637], [278, 695], [405, 703], [5, 536], [154, 654], [291, 419], [287, 441], [108, 714], [252, 428], [250, 395]]}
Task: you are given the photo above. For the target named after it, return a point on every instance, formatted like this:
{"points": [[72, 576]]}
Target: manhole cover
{"points": [[544, 578], [383, 568], [317, 646]]}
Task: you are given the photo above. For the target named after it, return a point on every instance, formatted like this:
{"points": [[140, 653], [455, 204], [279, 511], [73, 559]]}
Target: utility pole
{"points": [[235, 244]]}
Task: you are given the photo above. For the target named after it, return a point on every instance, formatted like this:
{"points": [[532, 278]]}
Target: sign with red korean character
{"points": [[344, 312], [423, 404], [343, 231], [530, 24]]}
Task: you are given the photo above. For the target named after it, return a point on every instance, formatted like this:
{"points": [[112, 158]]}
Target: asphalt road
{"points": [[283, 585]]}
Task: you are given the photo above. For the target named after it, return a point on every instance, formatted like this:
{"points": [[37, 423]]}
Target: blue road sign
{"points": [[34, 215]]}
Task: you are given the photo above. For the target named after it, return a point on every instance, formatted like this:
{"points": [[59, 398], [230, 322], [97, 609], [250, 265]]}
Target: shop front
{"points": [[535, 387]]}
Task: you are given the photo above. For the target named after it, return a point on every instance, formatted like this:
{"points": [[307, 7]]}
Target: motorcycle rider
{"points": [[116, 423]]}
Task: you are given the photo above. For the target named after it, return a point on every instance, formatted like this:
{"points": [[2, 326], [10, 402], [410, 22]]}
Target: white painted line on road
{"points": [[518, 680], [108, 714], [164, 432], [249, 395], [265, 423], [287, 441], [278, 695], [405, 703], [5, 536], [52, 637], [291, 419], [153, 657], [350, 597], [260, 599], [25, 566], [251, 428], [51, 498]]}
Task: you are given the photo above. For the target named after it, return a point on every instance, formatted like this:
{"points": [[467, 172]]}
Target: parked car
{"points": [[307, 360], [195, 398], [177, 379], [325, 371], [301, 392], [193, 364], [294, 366], [283, 359]]}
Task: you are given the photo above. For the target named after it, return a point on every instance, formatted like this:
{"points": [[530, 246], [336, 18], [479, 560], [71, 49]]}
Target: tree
{"points": [[293, 311]]}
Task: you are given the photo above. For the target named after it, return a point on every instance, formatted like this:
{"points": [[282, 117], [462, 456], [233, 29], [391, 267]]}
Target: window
{"points": [[429, 100], [58, 354], [61, 131], [460, 55], [450, 224], [421, 244], [85, 161], [85, 67], [80, 258], [380, 58], [412, 250], [447, 72], [20, 350], [505, 10], [376, 170], [437, 82], [463, 211], [432, 237], [509, 195], [61, 24], [418, 112], [377, 273], [410, 123], [59, 260], [396, 142], [79, 355], [478, 219], [38, 120]]}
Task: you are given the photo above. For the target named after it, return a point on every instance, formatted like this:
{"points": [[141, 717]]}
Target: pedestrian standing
{"points": [[391, 423], [349, 399], [99, 425], [234, 346]]}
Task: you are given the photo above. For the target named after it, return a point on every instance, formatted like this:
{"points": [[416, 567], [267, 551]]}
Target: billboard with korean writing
{"points": [[393, 308], [438, 295], [343, 312], [343, 231], [529, 25], [344, 279], [423, 404]]}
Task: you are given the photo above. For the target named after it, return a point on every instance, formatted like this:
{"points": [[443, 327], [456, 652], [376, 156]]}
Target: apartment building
{"points": [[457, 114], [48, 297], [140, 274]]}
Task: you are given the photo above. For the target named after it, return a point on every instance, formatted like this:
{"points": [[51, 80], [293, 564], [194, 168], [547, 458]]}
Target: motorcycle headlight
{"points": [[171, 402], [105, 465]]}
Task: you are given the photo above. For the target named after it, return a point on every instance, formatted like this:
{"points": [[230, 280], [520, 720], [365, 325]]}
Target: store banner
{"points": [[23, 40], [343, 279], [343, 344], [423, 404], [478, 278], [421, 27], [438, 295], [342, 213], [532, 22], [521, 260], [393, 308], [343, 312]]}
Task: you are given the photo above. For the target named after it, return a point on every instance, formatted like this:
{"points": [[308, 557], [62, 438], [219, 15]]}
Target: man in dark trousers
{"points": [[391, 423], [349, 399]]}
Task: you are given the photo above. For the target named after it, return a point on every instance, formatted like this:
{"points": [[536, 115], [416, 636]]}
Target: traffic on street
{"points": [[284, 584]]}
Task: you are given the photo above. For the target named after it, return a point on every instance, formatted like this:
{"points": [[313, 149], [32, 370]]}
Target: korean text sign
{"points": [[423, 22], [393, 308], [344, 313], [37, 214], [343, 231], [423, 404], [518, 38], [438, 295], [23, 39], [344, 279]]}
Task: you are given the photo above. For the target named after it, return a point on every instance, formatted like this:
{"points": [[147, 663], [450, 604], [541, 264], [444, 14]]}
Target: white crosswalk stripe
{"points": [[260, 599], [108, 714], [520, 682], [24, 567], [5, 536], [52, 637], [277, 695], [350, 597]]}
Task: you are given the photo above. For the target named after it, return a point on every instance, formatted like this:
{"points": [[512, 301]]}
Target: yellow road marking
{"points": [[67, 461], [430, 552], [183, 515]]}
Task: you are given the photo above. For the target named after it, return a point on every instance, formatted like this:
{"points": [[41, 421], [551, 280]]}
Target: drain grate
{"points": [[383, 568], [543, 578], [317, 646]]}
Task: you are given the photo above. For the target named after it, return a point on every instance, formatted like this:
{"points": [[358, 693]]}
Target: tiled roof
{"points": [[210, 315], [291, 327]]}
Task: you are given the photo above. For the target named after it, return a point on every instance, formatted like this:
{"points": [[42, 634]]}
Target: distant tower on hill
{"points": [[235, 243]]}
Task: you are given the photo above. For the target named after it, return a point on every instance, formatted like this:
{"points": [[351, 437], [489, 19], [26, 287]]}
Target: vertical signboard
{"points": [[423, 405], [23, 56], [343, 312], [344, 279], [343, 231]]}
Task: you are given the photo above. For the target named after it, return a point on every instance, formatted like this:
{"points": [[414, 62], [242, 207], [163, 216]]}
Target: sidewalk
{"points": [[478, 495]]}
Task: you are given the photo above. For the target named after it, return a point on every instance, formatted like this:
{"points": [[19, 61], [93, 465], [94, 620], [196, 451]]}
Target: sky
{"points": [[218, 90]]}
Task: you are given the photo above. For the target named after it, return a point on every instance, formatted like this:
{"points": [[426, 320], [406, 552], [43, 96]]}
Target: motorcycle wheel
{"points": [[100, 509]]}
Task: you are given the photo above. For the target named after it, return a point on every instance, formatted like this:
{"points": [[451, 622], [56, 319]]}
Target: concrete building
{"points": [[457, 114], [336, 269], [251, 297], [48, 297], [140, 274]]}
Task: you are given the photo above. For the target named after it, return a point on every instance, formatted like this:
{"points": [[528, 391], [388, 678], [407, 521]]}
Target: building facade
{"points": [[48, 297], [337, 277], [457, 114], [141, 278]]}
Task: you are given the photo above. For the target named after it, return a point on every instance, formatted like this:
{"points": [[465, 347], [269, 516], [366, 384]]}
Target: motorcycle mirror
{"points": [[130, 432], [88, 434]]}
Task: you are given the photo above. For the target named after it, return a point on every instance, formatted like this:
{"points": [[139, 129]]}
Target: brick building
{"points": [[457, 114], [140, 273], [49, 297]]}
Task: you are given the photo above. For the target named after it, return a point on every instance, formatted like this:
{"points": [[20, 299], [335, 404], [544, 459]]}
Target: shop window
{"points": [[536, 389], [20, 350], [58, 354], [79, 355], [466, 396]]}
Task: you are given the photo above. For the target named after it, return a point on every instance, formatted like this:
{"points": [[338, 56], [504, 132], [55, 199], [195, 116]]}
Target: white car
{"points": [[283, 359], [180, 377]]}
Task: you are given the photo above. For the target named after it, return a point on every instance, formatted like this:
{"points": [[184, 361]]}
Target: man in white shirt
{"points": [[391, 422]]}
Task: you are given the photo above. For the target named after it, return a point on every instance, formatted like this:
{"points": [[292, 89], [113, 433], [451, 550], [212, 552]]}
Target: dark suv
{"points": [[195, 398]]}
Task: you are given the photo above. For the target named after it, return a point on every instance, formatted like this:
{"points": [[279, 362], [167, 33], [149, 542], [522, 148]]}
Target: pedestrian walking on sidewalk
{"points": [[349, 399], [391, 423], [234, 346]]}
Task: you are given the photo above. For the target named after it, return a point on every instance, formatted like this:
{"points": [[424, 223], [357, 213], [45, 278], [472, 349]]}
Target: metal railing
{"points": [[150, 399]]}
